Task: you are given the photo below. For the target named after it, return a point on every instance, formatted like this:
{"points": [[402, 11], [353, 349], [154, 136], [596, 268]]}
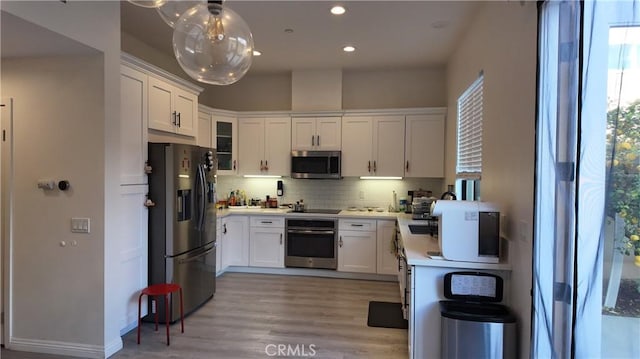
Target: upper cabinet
{"points": [[316, 133], [219, 129], [264, 146], [171, 108], [373, 145], [133, 126], [424, 145]]}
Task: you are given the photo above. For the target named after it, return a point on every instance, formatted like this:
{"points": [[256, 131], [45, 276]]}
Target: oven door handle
{"points": [[307, 231]]}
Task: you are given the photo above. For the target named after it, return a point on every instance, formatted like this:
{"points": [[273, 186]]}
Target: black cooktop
{"points": [[320, 211]]}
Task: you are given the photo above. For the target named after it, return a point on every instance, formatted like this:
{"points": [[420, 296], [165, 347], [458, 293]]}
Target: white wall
{"points": [[505, 50], [394, 88], [84, 274]]}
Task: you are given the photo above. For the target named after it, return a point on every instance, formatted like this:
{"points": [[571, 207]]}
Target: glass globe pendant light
{"points": [[213, 44], [148, 3], [171, 10]]}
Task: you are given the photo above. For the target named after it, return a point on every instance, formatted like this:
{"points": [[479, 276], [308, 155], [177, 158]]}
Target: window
{"points": [[469, 145]]}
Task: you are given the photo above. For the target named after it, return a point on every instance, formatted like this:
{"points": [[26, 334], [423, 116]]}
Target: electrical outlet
{"points": [[504, 228], [523, 230]]}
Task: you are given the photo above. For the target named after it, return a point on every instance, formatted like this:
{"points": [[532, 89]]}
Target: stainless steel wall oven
{"points": [[311, 243]]}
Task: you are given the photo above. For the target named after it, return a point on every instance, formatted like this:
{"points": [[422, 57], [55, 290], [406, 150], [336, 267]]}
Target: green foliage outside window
{"points": [[623, 132]]}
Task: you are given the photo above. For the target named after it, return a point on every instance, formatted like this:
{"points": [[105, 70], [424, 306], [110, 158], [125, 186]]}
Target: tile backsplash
{"points": [[339, 194]]}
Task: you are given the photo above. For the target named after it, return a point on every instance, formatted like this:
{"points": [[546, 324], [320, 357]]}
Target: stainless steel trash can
{"points": [[472, 324]]}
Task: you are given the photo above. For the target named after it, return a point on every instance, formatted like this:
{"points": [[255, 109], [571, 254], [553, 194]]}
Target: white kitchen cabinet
{"points": [[386, 263], [373, 145], [219, 247], [316, 133], [357, 246], [266, 242], [132, 245], [235, 241], [424, 146], [264, 146], [133, 126], [226, 143], [206, 133], [172, 108]]}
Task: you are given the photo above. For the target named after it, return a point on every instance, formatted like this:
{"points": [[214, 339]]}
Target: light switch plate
{"points": [[80, 225]]}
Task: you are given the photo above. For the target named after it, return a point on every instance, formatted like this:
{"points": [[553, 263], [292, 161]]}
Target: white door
{"points": [[277, 146], [387, 262], [235, 230], [6, 121], [186, 107], [302, 133], [204, 138], [424, 148], [357, 147], [133, 126], [388, 146], [328, 133], [251, 146], [161, 115], [266, 247], [357, 251]]}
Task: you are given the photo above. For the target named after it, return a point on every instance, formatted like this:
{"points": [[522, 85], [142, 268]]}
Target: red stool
{"points": [[164, 290]]}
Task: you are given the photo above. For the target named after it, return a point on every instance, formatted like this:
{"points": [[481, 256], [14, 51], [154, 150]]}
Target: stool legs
{"points": [[167, 318], [139, 311], [181, 312]]}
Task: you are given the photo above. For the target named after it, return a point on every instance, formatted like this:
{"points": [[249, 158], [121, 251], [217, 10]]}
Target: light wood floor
{"points": [[252, 312]]}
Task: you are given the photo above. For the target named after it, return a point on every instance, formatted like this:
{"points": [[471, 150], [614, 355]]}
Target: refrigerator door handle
{"points": [[203, 198], [196, 257]]}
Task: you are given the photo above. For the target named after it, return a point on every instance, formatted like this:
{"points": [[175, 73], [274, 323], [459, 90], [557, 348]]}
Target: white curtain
{"points": [[589, 75]]}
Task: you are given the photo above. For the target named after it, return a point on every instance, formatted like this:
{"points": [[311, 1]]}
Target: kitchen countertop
{"points": [[417, 245], [285, 211]]}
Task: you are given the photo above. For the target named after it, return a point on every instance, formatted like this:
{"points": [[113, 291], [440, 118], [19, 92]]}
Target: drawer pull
{"points": [[357, 225]]}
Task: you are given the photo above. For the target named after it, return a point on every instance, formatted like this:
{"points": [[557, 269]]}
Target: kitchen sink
{"points": [[423, 229]]}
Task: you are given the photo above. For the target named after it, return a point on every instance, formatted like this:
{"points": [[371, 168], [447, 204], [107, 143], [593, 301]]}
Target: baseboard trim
{"points": [[64, 348], [310, 273]]}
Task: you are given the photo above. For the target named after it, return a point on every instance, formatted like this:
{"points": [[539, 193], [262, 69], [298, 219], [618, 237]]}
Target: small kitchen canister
{"points": [[402, 204]]}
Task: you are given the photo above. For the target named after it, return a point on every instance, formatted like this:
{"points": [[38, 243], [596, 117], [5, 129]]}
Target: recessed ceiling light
{"points": [[256, 53], [338, 10], [349, 48]]}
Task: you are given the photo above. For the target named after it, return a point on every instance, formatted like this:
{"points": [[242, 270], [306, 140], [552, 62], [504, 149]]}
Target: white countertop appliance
{"points": [[468, 231]]}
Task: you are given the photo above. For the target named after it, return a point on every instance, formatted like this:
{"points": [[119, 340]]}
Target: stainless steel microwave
{"points": [[315, 164]]}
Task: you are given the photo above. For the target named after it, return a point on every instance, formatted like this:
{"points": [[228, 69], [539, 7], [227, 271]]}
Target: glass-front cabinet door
{"points": [[227, 144]]}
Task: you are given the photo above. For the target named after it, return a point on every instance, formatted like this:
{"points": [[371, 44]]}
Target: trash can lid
{"points": [[473, 286], [476, 312]]}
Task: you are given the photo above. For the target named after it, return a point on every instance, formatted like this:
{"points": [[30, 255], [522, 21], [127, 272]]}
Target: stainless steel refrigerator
{"points": [[182, 224]]}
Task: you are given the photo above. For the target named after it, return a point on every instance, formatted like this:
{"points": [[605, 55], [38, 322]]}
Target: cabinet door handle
{"points": [[234, 165], [318, 141], [280, 238], [369, 166], [179, 122], [174, 116], [407, 166], [340, 242], [313, 140], [261, 166], [224, 228], [266, 165], [375, 168]]}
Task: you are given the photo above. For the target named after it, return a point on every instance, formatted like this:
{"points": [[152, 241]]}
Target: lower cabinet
{"points": [[266, 242], [235, 241], [387, 262], [357, 245]]}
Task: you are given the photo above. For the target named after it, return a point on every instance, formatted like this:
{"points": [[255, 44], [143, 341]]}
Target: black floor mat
{"points": [[386, 315]]}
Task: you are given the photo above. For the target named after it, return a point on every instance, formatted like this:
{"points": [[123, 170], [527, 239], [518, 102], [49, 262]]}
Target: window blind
{"points": [[469, 162]]}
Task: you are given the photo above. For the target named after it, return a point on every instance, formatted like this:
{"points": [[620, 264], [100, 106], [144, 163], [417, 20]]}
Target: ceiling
{"points": [[386, 34]]}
